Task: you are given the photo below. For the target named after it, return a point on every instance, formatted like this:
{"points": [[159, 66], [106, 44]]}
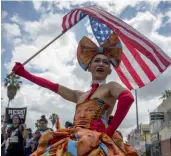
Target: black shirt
{"points": [[16, 141]]}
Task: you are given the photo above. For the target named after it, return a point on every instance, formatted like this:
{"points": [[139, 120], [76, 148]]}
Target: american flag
{"points": [[142, 60], [100, 30]]}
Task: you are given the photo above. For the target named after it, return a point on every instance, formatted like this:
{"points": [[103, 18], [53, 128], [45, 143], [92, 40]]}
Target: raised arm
{"points": [[66, 93]]}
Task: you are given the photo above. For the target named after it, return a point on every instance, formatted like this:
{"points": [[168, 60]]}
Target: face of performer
{"points": [[100, 67], [42, 125], [16, 120]]}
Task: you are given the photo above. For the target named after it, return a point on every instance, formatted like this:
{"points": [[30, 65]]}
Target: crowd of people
{"points": [[21, 141], [18, 140]]}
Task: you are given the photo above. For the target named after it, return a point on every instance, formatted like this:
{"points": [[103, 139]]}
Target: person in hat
{"points": [[91, 133]]}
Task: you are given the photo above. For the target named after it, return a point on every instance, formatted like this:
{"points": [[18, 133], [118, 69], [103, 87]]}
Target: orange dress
{"points": [[81, 140]]}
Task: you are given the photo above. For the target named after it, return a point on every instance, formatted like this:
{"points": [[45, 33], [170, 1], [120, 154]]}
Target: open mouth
{"points": [[100, 70], [83, 122]]}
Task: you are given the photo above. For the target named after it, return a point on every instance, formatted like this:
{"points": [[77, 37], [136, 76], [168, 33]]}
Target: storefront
{"points": [[156, 145]]}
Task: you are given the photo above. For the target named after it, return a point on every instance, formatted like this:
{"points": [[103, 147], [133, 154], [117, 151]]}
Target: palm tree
{"points": [[53, 119], [12, 83], [166, 94], [37, 124]]}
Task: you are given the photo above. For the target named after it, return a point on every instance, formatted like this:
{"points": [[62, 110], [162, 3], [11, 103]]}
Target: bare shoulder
{"points": [[115, 88], [114, 84]]}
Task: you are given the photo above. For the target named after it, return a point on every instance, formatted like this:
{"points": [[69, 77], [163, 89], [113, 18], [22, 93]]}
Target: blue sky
{"points": [[28, 26]]}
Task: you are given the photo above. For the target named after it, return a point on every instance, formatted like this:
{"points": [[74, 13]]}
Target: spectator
{"points": [[43, 124], [36, 140], [17, 133], [42, 128], [29, 142], [3, 142], [68, 124]]}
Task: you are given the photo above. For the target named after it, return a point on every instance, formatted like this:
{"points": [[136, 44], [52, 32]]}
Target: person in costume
{"points": [[91, 134]]}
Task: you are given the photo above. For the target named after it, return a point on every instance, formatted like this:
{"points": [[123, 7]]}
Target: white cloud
{"points": [[48, 25], [37, 5], [117, 7], [4, 14], [145, 22], [17, 41], [16, 19], [168, 14], [11, 30]]}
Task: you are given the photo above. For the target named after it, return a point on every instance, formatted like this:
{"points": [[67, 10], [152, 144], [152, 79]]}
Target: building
{"points": [[141, 140], [161, 130]]}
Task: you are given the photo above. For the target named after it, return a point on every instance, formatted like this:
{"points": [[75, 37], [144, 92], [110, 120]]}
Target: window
{"points": [[169, 116]]}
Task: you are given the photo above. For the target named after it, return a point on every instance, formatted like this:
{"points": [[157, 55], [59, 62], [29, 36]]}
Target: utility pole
{"points": [[136, 102]]}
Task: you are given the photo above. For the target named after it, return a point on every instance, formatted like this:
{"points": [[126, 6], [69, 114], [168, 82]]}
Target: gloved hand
{"points": [[19, 70]]}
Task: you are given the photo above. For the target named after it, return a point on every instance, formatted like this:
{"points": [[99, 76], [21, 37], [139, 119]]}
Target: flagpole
{"points": [[40, 51], [63, 32], [136, 102]]}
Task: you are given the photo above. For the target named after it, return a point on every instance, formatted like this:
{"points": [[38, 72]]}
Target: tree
{"points": [[13, 84], [166, 94], [37, 124], [53, 119]]}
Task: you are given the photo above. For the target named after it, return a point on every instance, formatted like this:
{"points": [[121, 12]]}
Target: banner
{"points": [[10, 112]]}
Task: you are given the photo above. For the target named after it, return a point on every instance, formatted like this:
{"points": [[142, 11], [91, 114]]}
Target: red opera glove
{"points": [[19, 70], [125, 101]]}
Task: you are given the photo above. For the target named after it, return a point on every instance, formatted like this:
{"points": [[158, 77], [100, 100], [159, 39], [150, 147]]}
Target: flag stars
{"points": [[101, 32], [107, 31], [103, 38]]}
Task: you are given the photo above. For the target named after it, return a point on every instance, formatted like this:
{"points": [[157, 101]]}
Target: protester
{"points": [[36, 138], [3, 141], [29, 142], [42, 128], [68, 124], [43, 122], [17, 133], [57, 123], [93, 107]]}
